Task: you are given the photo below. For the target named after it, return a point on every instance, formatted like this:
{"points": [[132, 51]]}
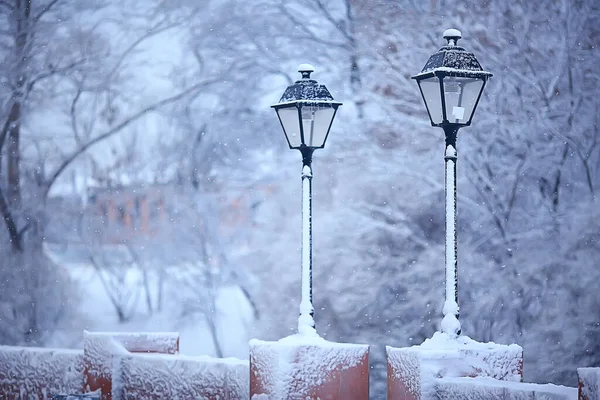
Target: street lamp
{"points": [[451, 84], [306, 111]]}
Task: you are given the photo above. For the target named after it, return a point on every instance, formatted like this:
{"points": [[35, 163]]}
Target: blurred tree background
{"points": [[106, 96]]}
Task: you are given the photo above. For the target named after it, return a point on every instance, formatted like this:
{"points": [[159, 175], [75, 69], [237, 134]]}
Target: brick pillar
{"points": [[144, 216], [412, 369], [309, 368], [588, 383], [100, 347], [127, 214]]}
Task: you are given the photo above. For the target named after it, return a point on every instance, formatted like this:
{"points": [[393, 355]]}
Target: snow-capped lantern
{"points": [[306, 111], [451, 83]]}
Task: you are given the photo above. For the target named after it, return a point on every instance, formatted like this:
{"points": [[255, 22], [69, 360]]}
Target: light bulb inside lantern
{"points": [[308, 124], [452, 94]]}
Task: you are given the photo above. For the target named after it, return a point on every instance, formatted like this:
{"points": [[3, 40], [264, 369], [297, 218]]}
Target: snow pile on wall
{"points": [[154, 376], [589, 383], [444, 355], [303, 366], [38, 373], [412, 370], [85, 396], [492, 389], [141, 342]]}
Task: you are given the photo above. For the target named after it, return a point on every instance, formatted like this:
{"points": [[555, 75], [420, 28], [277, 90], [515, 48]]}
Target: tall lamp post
{"points": [[306, 111], [451, 84]]}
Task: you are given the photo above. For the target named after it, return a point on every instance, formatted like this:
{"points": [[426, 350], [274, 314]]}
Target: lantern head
{"points": [[306, 111], [451, 83]]}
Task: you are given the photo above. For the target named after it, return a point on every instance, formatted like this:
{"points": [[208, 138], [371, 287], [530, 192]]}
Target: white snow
{"points": [[31, 372], [306, 171], [306, 322], [297, 363], [452, 33], [443, 341], [450, 323], [306, 67], [492, 389], [235, 315], [155, 342], [310, 101], [137, 376], [96, 394], [313, 340], [405, 366], [460, 72], [589, 378], [447, 356]]}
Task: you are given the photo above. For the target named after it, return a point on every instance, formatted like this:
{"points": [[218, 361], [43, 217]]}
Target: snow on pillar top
{"points": [[452, 36], [306, 70]]}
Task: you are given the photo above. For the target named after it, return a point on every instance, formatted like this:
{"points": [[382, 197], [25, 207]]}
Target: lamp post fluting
{"points": [[306, 111], [451, 84]]}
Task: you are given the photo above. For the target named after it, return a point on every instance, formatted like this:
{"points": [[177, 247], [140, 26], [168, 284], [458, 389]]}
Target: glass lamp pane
{"points": [[291, 125], [461, 95], [430, 89], [471, 90], [316, 120]]}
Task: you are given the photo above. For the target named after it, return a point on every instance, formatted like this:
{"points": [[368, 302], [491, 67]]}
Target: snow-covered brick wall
{"points": [[100, 347], [589, 383], [299, 367], [38, 373], [155, 376], [492, 389], [411, 370]]}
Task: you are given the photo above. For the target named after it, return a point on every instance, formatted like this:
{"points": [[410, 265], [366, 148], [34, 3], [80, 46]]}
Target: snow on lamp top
{"points": [[306, 70], [453, 59], [306, 89], [452, 35], [306, 111]]}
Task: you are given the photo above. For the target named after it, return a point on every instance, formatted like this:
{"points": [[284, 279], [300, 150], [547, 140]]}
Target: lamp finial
{"points": [[452, 36], [306, 70]]}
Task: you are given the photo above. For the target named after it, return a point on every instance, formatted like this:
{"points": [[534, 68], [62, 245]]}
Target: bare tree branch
{"points": [[7, 5], [151, 32], [52, 72], [15, 238], [332, 20], [45, 10], [74, 116], [123, 124], [310, 35], [4, 133]]}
